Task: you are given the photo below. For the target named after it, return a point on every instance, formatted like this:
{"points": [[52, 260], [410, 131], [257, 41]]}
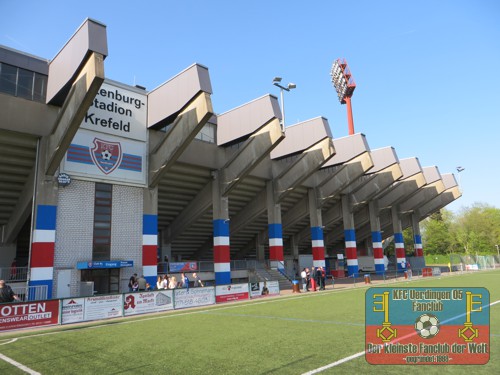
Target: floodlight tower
{"points": [[290, 86], [460, 169], [344, 85]]}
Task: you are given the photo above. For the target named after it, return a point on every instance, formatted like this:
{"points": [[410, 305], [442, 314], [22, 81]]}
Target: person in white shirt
{"points": [[159, 282]]}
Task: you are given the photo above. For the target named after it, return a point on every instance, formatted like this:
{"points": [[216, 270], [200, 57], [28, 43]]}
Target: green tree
{"points": [[477, 229], [473, 230], [436, 236], [409, 241]]}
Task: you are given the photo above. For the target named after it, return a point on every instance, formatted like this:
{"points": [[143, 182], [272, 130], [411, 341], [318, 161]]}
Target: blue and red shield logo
{"points": [[107, 156]]}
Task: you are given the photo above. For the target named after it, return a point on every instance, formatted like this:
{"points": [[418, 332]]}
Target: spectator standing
{"points": [[142, 283], [308, 278], [172, 283], [131, 282], [159, 282], [6, 293], [313, 278], [319, 278], [197, 281], [320, 275], [185, 281], [165, 281], [303, 275]]}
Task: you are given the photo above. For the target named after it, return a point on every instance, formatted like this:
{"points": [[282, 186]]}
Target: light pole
{"points": [[344, 85], [460, 169], [290, 86]]}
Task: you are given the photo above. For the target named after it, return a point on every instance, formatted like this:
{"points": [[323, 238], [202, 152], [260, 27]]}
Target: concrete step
{"points": [[266, 274]]}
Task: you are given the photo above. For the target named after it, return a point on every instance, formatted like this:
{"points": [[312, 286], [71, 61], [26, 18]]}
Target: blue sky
{"points": [[427, 72]]}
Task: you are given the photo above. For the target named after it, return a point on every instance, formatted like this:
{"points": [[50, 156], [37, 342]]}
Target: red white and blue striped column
{"points": [[417, 238], [318, 247], [42, 248], [419, 251], [351, 252], [276, 246], [400, 252], [378, 252], [222, 262], [150, 248]]}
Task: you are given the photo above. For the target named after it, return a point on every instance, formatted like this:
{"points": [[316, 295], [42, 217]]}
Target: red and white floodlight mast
{"points": [[344, 85]]}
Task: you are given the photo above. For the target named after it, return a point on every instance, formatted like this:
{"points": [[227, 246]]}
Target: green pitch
{"points": [[286, 335]]}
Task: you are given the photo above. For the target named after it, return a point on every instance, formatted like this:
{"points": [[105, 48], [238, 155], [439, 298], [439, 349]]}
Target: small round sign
{"points": [[63, 179]]}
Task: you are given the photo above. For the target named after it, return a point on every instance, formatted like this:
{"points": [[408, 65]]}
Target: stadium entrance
{"points": [[105, 280]]}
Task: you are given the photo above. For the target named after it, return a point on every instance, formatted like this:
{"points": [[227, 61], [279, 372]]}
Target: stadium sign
{"points": [[111, 141], [104, 264], [427, 326], [119, 111]]}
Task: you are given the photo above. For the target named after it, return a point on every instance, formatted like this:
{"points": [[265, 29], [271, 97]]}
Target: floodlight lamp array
{"points": [[342, 80]]}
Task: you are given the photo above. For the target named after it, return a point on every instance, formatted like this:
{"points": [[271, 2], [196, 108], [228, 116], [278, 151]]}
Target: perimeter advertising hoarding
{"points": [[232, 292], [194, 297], [148, 302], [111, 142], [72, 310], [264, 289], [30, 314], [427, 326], [103, 307], [76, 310]]}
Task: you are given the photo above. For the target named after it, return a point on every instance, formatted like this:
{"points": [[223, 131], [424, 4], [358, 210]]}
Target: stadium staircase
{"points": [[265, 273]]}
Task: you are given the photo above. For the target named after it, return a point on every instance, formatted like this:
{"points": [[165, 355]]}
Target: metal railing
{"points": [[208, 266], [31, 293], [10, 274]]}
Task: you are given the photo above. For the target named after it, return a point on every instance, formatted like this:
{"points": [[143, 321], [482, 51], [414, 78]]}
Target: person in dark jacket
{"points": [[6, 293], [320, 277]]}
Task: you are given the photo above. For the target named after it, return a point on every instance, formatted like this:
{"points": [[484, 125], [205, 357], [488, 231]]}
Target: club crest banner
{"points": [[107, 156]]}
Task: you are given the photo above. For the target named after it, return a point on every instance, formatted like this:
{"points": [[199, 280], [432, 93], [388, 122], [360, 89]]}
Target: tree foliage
{"points": [[473, 230]]}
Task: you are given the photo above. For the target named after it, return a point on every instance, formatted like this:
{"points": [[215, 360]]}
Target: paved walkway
{"points": [[349, 283]]}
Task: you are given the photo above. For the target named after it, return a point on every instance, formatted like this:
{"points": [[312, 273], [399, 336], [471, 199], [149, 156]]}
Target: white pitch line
{"points": [[9, 342], [357, 355], [19, 365]]}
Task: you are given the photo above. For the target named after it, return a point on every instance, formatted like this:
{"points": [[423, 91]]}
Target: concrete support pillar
{"points": [[295, 248], [398, 240], [318, 244], [222, 258], [417, 238], [261, 249], [150, 235], [275, 229], [165, 245], [350, 238], [378, 251], [44, 232]]}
